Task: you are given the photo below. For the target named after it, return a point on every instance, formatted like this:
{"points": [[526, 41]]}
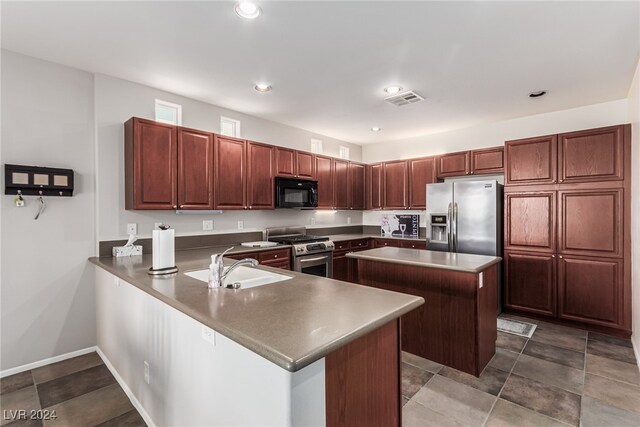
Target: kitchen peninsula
{"points": [[303, 351], [457, 324]]}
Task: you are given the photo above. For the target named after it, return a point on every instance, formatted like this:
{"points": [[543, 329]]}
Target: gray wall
{"points": [[47, 304], [118, 100], [634, 119]]}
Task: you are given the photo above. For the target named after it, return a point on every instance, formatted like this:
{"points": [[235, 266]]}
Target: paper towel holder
{"points": [[162, 271]]}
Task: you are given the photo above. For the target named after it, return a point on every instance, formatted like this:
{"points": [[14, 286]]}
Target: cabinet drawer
{"points": [[418, 244], [359, 244], [341, 246], [380, 243], [284, 264], [278, 254]]}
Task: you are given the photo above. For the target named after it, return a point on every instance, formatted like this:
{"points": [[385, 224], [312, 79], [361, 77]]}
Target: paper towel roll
{"points": [[162, 249]]}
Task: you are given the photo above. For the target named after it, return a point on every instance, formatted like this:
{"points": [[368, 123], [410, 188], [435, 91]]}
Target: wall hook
{"points": [[42, 205]]}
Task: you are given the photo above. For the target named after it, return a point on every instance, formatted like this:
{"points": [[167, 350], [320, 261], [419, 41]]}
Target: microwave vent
{"points": [[404, 98]]}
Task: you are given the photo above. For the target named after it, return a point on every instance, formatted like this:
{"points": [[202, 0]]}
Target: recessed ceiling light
{"points": [[537, 94], [392, 90], [262, 87], [247, 9], [375, 129]]}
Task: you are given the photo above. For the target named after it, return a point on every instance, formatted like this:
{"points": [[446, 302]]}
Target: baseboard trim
{"points": [[635, 350], [134, 401], [48, 361]]}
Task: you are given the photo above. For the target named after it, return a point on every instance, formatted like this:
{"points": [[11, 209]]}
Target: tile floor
{"points": [[561, 376], [79, 392]]}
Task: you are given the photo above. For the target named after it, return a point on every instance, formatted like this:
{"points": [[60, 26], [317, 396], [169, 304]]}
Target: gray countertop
{"points": [[292, 323], [432, 259]]}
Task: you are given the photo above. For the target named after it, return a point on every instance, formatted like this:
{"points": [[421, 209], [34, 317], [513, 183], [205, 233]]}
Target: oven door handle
{"points": [[313, 259]]}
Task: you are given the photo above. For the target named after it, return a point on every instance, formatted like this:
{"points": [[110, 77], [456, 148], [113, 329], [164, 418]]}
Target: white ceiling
{"points": [[328, 62]]}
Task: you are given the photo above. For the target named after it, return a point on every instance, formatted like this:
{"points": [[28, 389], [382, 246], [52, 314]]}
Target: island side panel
{"points": [[487, 322], [363, 380], [446, 328]]}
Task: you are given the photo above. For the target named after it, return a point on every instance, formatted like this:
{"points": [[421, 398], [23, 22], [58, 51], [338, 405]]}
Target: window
{"points": [[168, 112], [344, 152], [316, 146], [229, 127]]}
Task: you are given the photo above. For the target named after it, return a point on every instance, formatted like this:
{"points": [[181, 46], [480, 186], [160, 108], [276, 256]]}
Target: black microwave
{"points": [[296, 193]]}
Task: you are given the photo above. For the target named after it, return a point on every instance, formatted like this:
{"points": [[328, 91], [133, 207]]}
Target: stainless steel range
{"points": [[311, 254]]}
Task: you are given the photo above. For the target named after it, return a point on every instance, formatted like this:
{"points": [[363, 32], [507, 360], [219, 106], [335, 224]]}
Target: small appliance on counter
{"points": [[311, 254], [163, 251]]}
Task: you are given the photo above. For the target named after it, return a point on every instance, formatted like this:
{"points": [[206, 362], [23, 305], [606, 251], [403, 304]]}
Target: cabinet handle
{"points": [[471, 172], [175, 207], [181, 206], [553, 256], [560, 257], [250, 207], [275, 256]]}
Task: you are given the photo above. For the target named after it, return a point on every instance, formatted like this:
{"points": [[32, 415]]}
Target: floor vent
{"points": [[404, 98]]}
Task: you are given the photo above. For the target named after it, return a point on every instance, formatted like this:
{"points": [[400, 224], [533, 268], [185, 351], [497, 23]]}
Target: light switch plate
{"points": [[132, 228], [240, 225]]}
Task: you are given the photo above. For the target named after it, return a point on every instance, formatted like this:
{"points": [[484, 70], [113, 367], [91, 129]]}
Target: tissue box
{"points": [[118, 251]]}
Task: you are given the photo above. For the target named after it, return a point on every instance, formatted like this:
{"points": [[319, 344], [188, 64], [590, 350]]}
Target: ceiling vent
{"points": [[404, 98]]}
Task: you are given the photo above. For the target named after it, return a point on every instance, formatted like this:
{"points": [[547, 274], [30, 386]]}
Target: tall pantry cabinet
{"points": [[567, 247]]}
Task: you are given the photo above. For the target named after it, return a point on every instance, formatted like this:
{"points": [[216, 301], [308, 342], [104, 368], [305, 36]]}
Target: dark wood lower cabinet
{"points": [[530, 282], [362, 381], [457, 324], [590, 290], [341, 266]]}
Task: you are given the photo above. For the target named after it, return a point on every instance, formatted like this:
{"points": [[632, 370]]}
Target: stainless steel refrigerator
{"points": [[466, 217]]}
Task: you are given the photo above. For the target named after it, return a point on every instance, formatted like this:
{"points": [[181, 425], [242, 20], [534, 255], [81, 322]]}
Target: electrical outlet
{"points": [[132, 228], [208, 335], [348, 220], [313, 220], [240, 225], [146, 372], [480, 280], [207, 224]]}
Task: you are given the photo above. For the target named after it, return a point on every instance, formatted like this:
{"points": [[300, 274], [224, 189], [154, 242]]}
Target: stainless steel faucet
{"points": [[217, 273]]}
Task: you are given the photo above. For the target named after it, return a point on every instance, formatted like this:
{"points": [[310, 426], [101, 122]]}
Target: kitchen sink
{"points": [[248, 277]]}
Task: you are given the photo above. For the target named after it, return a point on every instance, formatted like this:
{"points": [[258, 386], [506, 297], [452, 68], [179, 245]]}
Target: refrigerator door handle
{"points": [[449, 228], [455, 227]]}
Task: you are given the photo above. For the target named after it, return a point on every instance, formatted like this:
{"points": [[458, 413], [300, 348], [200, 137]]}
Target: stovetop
{"points": [[293, 239]]}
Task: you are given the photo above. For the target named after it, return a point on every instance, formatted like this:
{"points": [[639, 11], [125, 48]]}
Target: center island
{"points": [[303, 351]]}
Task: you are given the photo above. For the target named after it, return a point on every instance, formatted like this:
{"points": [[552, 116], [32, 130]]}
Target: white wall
{"points": [[119, 100], [47, 304], [494, 134], [634, 119]]}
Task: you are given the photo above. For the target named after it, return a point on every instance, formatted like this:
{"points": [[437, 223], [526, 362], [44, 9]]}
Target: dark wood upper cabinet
{"points": [[454, 164], [294, 163], [421, 172], [340, 184], [530, 282], [374, 186], [151, 159], [487, 161], [260, 173], [305, 165], [531, 161], [356, 186], [591, 155], [395, 185], [230, 173], [324, 175], [195, 169], [530, 221], [591, 222], [590, 290], [285, 161]]}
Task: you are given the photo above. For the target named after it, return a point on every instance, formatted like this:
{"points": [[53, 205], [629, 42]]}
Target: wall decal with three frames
{"points": [[20, 180]]}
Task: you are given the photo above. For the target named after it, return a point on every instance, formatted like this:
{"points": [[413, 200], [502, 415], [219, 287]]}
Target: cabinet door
{"points": [[531, 160], [381, 243], [591, 155], [487, 161], [151, 158], [454, 164], [230, 173], [395, 185], [591, 222], [590, 290], [356, 186], [305, 165], [341, 266], [530, 221], [260, 173], [324, 175], [341, 184], [195, 169], [421, 173], [285, 161], [530, 282], [374, 186]]}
